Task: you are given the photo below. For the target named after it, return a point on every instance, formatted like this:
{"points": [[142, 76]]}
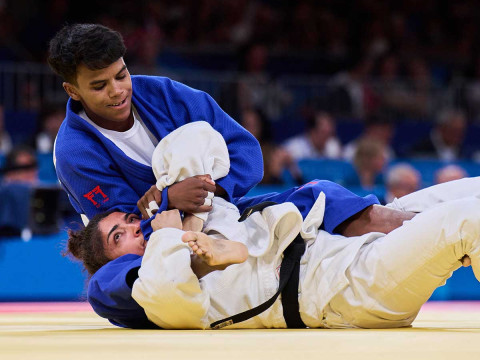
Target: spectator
{"points": [[401, 179], [449, 173], [279, 166], [349, 91], [377, 128], [389, 88], [20, 174], [255, 88], [369, 161], [446, 139], [418, 95], [20, 166], [50, 120], [318, 141], [5, 139]]}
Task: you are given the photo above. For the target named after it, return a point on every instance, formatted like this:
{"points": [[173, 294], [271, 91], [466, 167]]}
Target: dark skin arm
{"points": [[187, 195], [375, 218]]}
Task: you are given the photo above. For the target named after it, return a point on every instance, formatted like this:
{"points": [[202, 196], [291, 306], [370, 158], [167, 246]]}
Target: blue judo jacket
{"points": [[98, 176]]}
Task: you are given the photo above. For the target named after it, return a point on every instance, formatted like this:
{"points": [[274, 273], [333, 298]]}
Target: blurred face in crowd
{"points": [[324, 129], [121, 235], [381, 132], [28, 175], [453, 131], [106, 95], [449, 173], [53, 122], [257, 59], [370, 156], [389, 68], [408, 183]]}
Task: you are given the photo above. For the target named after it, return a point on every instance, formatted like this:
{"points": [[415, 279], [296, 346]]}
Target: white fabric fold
{"points": [[192, 149]]}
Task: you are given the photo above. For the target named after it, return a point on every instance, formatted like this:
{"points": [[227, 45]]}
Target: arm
{"points": [[375, 218], [167, 289], [192, 223], [187, 195], [184, 105], [93, 182]]}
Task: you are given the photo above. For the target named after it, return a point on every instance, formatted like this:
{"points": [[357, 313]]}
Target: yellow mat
{"points": [[447, 331]]}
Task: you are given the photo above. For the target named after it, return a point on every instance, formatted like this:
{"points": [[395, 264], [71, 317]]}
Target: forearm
{"points": [[375, 218], [192, 223], [167, 289]]}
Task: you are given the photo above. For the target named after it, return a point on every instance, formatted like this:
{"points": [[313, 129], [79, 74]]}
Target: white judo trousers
{"points": [[393, 276], [374, 280]]}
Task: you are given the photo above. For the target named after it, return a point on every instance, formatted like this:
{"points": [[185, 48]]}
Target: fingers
{"points": [[167, 219], [148, 203], [157, 195], [142, 209], [189, 195], [209, 187], [204, 208], [207, 178]]}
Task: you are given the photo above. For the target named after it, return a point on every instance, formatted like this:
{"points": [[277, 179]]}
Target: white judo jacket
{"points": [[174, 298]]}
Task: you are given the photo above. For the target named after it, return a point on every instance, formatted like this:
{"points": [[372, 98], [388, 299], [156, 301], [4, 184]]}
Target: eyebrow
{"points": [[125, 218], [100, 81]]}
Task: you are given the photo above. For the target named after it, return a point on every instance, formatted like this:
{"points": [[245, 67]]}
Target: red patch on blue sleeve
{"points": [[97, 196]]}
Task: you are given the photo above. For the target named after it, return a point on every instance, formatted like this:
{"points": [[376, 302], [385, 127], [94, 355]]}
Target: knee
{"points": [[468, 208], [467, 212]]}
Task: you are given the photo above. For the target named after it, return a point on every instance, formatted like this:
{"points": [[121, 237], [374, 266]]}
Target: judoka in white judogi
{"points": [[374, 280]]}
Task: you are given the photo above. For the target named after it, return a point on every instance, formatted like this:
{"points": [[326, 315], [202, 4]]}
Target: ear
{"points": [[72, 91]]}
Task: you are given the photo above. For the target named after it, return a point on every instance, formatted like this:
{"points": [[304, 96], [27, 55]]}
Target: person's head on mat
{"points": [[107, 236], [113, 234]]}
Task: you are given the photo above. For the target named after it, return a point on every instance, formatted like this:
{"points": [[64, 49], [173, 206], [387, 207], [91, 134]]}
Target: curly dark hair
{"points": [[93, 45], [86, 244]]}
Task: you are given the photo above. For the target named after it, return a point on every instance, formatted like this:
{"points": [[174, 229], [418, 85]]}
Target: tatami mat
{"points": [[72, 331]]}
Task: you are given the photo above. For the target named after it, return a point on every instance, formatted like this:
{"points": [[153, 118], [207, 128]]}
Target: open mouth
{"points": [[118, 104]]}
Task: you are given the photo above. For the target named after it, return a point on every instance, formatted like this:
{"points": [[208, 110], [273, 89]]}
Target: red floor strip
{"points": [[44, 307]]}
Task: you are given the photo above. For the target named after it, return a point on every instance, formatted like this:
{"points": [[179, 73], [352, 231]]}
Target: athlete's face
{"points": [[121, 235], [106, 95]]}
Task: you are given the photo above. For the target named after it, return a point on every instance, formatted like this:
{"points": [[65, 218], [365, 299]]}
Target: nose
{"points": [[135, 229], [115, 89]]}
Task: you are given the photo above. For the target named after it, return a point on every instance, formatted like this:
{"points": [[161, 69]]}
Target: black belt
{"points": [[288, 287]]}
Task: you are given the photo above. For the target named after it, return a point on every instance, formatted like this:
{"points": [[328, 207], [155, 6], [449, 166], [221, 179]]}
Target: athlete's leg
{"points": [[392, 277], [421, 200]]}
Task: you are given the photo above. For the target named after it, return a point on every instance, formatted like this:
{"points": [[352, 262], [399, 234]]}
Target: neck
{"points": [[119, 126]]}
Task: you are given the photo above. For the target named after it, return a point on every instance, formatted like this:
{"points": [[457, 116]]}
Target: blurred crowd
{"points": [[440, 35], [374, 161], [380, 64]]}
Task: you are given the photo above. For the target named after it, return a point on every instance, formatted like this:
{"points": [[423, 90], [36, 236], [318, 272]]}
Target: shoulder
{"points": [[75, 146], [143, 84]]}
